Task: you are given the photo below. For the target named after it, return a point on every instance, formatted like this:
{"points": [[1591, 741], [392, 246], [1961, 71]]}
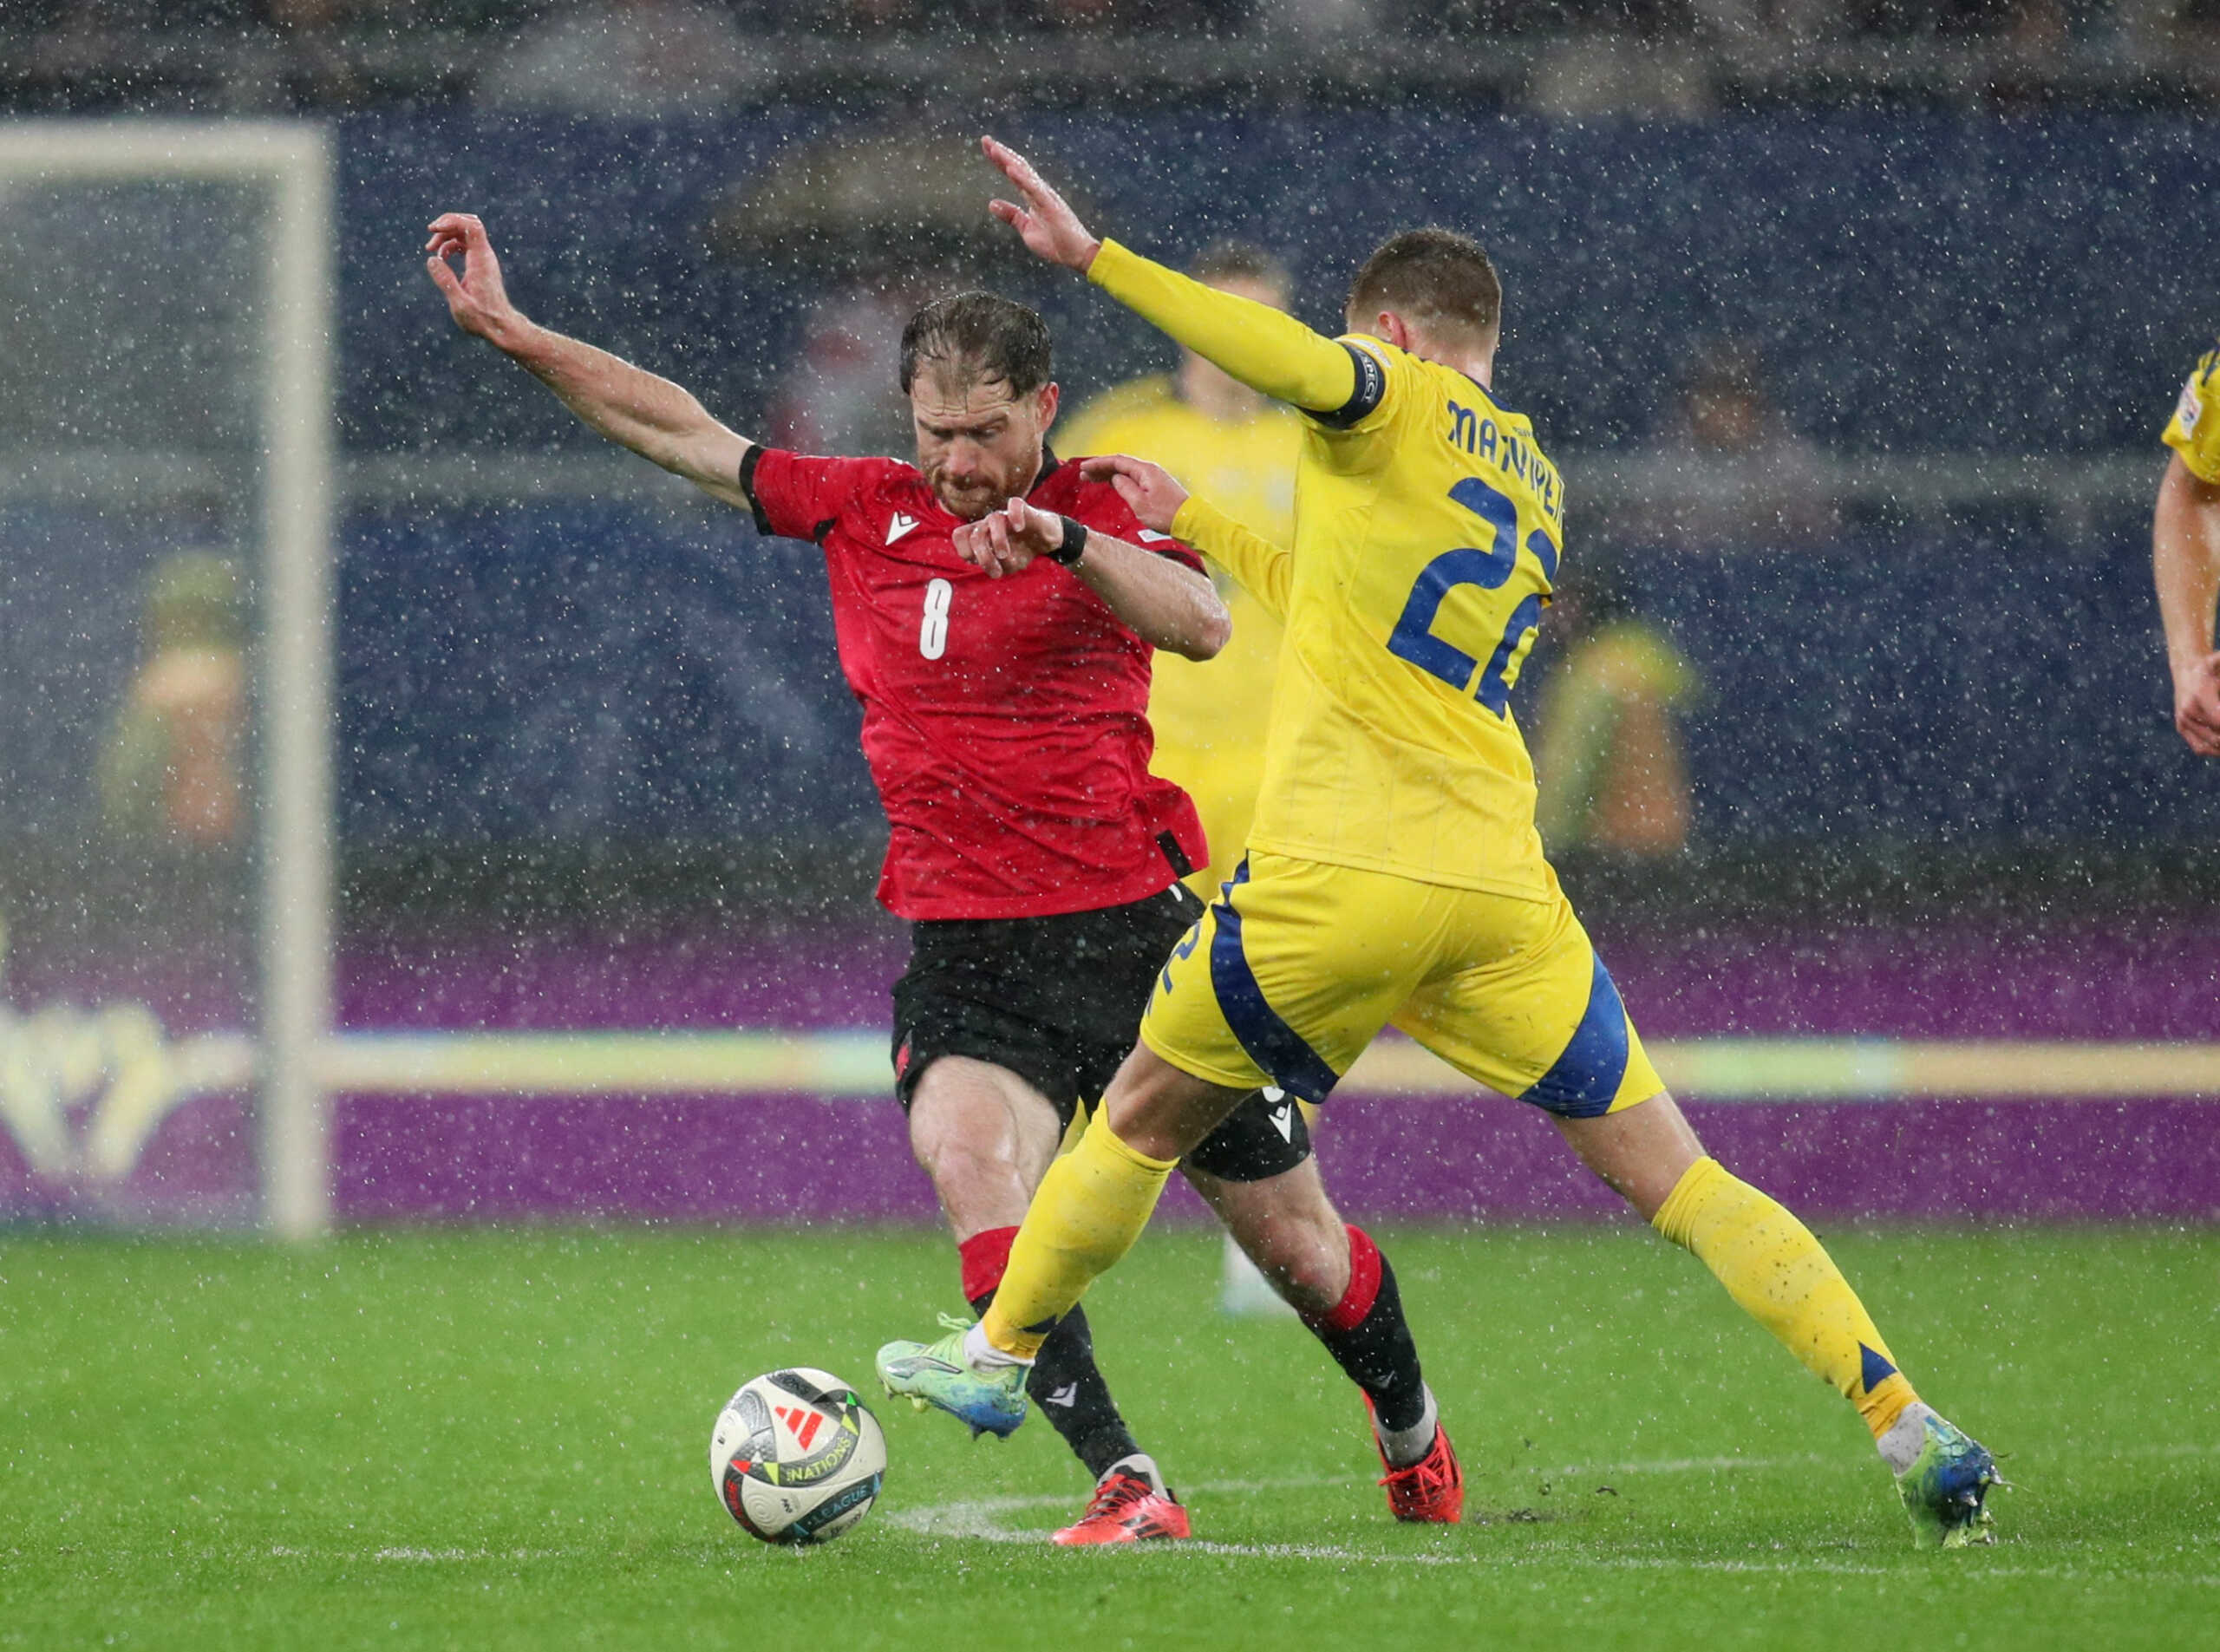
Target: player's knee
{"points": [[973, 1172]]}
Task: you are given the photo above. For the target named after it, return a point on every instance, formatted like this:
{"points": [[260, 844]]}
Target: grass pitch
{"points": [[499, 1439]]}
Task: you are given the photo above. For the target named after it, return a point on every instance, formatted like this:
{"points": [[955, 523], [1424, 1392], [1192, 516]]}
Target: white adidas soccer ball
{"points": [[796, 1458]]}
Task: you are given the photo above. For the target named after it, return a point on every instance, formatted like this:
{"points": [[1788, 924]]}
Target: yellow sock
{"points": [[1784, 1279], [1088, 1211]]}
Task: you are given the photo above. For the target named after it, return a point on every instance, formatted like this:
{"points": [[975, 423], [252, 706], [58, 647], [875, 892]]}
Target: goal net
{"points": [[165, 588]]}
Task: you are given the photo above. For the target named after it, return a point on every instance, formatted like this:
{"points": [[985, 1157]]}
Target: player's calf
{"points": [[1370, 1339]]}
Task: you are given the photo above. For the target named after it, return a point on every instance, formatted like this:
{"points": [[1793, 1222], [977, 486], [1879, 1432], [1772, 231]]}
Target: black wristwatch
{"points": [[1074, 546]]}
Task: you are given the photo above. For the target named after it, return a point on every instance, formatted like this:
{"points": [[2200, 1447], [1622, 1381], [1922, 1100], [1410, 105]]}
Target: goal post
{"points": [[291, 164]]}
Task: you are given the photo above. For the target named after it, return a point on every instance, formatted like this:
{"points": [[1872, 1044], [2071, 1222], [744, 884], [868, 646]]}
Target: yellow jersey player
{"points": [[1238, 449], [1394, 873], [2185, 558]]}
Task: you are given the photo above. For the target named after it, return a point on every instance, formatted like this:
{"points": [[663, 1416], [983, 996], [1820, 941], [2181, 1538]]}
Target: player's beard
{"points": [[968, 501]]}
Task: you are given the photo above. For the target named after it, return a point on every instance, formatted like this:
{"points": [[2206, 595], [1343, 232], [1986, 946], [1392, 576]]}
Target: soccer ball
{"points": [[796, 1458]]}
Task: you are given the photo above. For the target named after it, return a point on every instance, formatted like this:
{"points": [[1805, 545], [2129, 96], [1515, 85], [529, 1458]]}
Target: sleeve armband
{"points": [[747, 463], [1371, 386]]}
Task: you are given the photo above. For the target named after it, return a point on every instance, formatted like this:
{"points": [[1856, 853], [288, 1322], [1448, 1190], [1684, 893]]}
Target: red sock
{"points": [[1364, 1284], [1368, 1337], [985, 1258]]}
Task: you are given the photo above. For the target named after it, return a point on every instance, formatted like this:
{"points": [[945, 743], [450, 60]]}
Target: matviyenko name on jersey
{"points": [[1479, 435]]}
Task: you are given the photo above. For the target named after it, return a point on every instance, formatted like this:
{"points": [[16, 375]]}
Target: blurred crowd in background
{"points": [[648, 56], [1857, 392]]}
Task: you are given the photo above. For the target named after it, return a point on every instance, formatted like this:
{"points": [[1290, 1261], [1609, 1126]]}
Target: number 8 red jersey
{"points": [[1005, 721]]}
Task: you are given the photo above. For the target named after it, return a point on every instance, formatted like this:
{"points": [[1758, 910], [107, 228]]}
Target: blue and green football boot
{"points": [[934, 1374], [1946, 1489]]}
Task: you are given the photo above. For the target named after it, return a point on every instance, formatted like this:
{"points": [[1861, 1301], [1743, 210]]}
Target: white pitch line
{"points": [[429, 1554], [977, 1519], [976, 1516]]}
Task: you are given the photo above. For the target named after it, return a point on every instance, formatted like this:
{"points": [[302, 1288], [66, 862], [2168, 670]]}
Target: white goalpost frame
{"points": [[293, 159]]}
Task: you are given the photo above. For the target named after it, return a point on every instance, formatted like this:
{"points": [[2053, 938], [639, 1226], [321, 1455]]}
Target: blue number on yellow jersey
{"points": [[1427, 537]]}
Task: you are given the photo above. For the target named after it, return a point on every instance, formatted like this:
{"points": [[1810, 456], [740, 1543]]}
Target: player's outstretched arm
{"points": [[2185, 562], [1264, 347], [1159, 501], [1166, 605], [656, 419]]}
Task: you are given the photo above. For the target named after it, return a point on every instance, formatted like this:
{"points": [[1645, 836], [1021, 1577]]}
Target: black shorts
{"points": [[1057, 1001]]}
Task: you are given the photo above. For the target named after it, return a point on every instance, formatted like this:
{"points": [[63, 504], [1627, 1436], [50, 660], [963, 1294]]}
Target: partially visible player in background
{"points": [[173, 769], [1035, 858], [1394, 873], [1238, 449], [1609, 775], [2186, 557]]}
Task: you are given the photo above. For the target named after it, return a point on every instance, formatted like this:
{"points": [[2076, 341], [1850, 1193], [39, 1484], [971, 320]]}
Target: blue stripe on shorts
{"points": [[1271, 1044], [1585, 1080]]}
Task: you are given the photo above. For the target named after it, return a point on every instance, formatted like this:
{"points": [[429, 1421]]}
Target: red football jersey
{"points": [[1005, 721]]}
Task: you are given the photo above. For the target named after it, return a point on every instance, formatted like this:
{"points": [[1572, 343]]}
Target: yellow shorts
{"points": [[1296, 965]]}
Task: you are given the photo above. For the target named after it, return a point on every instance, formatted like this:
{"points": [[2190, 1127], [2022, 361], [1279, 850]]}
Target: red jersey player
{"points": [[998, 813], [997, 613]]}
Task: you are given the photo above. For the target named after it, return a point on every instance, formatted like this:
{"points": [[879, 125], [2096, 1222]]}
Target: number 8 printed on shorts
{"points": [[933, 630]]}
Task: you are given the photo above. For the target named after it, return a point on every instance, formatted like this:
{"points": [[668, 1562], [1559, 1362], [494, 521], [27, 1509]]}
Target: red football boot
{"points": [[1126, 1509], [1431, 1491]]}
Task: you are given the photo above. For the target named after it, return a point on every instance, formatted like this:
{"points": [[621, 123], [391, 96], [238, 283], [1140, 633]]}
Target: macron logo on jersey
{"points": [[1150, 536], [901, 524]]}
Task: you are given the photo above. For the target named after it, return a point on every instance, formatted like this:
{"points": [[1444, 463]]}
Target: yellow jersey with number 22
{"points": [[1427, 528], [1428, 535]]}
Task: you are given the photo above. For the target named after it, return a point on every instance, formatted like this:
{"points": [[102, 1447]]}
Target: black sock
{"points": [[1068, 1386], [1370, 1338]]}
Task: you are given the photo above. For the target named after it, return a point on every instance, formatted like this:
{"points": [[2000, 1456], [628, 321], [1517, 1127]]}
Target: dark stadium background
{"points": [[595, 767], [1935, 286]]}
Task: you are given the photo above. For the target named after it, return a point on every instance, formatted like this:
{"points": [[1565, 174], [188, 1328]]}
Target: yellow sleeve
{"points": [[1265, 348], [1266, 571], [2194, 431]]}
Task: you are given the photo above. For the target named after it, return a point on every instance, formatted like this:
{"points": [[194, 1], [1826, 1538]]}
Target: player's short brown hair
{"points": [[1239, 261], [982, 336], [1434, 277]]}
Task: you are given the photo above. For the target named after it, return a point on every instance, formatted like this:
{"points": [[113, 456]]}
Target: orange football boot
{"points": [[1429, 1492], [1126, 1509]]}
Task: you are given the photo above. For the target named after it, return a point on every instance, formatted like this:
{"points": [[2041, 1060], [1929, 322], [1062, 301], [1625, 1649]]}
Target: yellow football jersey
{"points": [[1427, 527], [2191, 433], [1427, 536], [1210, 717]]}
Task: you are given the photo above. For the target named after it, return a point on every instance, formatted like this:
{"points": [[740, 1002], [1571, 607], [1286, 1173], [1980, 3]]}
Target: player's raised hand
{"points": [[1151, 493], [477, 298], [1005, 541], [1045, 223], [2196, 707]]}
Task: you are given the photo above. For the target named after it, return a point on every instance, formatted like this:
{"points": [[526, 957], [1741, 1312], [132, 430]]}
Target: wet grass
{"points": [[499, 1439]]}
